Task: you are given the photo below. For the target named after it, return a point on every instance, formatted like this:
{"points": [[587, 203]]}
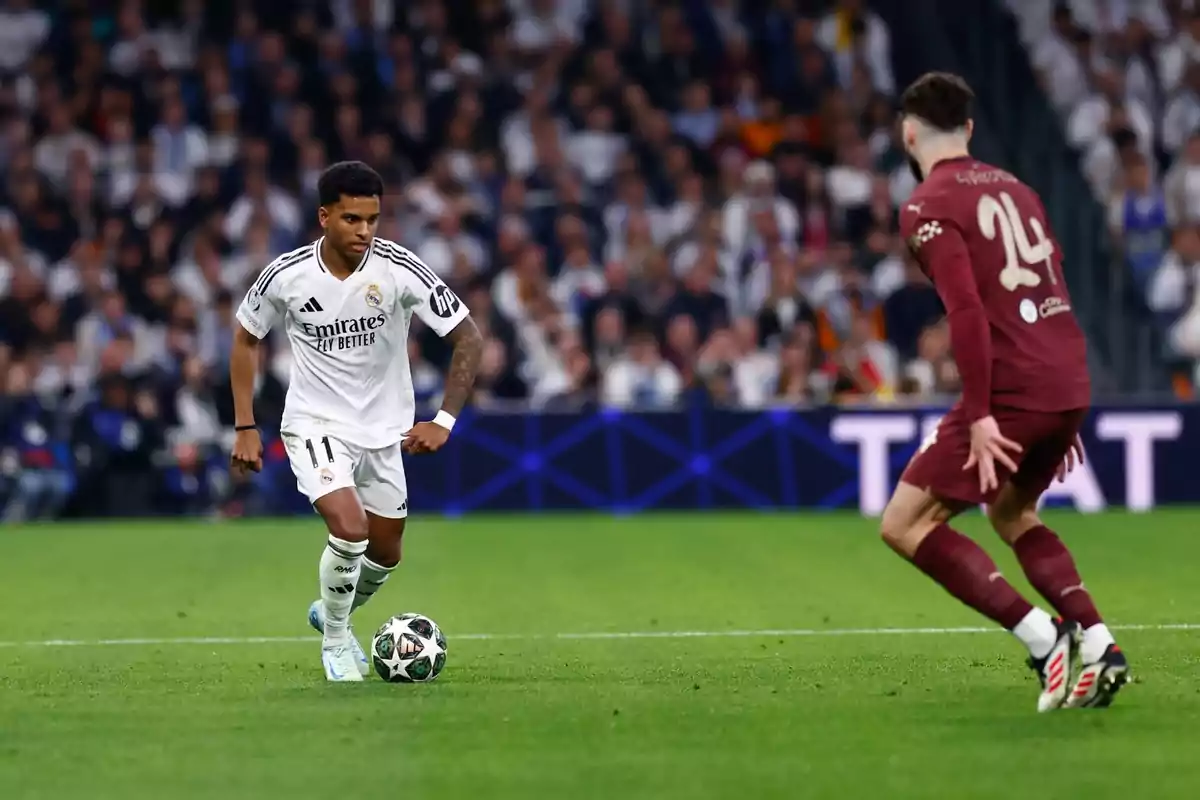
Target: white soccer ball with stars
{"points": [[410, 648]]}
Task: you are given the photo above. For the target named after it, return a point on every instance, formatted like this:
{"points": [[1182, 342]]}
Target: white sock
{"points": [[1096, 640], [370, 579], [340, 564], [1037, 631]]}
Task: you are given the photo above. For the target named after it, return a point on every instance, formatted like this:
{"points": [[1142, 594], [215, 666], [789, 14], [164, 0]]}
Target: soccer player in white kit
{"points": [[345, 302]]}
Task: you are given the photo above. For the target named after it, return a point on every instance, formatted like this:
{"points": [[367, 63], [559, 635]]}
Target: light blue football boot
{"points": [[316, 618]]}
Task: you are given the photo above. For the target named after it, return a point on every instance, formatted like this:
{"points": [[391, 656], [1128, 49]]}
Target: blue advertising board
{"points": [[704, 458]]}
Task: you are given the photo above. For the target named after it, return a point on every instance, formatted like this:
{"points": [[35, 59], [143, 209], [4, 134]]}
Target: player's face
{"points": [[350, 223]]}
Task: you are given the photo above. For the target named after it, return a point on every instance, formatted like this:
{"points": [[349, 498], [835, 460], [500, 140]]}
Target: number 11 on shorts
{"points": [[312, 452]]}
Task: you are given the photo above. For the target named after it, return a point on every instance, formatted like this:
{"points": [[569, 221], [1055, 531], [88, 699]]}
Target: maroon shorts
{"points": [[1045, 438]]}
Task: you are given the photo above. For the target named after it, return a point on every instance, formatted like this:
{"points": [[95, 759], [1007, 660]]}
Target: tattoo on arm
{"points": [[464, 364]]}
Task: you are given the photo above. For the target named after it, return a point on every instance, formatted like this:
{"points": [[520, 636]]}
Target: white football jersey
{"points": [[350, 372]]}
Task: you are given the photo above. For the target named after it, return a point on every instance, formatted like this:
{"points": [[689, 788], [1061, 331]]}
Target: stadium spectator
{"points": [[1173, 285], [641, 378], [1062, 56], [116, 439], [1184, 335], [795, 380], [855, 35], [1178, 51], [1138, 219], [1182, 115], [1182, 184], [932, 373], [911, 309], [863, 365], [1090, 117], [34, 456]]}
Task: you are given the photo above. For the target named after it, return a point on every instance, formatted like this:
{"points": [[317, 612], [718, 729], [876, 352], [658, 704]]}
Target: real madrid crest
{"points": [[326, 476], [374, 296]]}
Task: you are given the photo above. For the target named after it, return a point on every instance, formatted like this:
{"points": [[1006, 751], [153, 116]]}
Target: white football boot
{"points": [[337, 657], [316, 618], [1054, 670], [1099, 683]]}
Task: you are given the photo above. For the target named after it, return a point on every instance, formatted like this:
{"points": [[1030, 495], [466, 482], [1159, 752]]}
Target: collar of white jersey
{"points": [[361, 262]]}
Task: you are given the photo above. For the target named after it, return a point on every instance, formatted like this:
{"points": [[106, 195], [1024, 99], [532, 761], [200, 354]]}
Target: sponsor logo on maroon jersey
{"points": [[1053, 305]]}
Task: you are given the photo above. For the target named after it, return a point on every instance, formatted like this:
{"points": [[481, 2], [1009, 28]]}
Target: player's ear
{"points": [[908, 132], [323, 216], [970, 128]]}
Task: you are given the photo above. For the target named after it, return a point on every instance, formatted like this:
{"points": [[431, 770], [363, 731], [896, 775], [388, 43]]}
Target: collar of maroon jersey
{"points": [[949, 161]]}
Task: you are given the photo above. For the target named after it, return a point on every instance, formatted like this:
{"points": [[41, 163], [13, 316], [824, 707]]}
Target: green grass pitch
{"points": [[524, 712]]}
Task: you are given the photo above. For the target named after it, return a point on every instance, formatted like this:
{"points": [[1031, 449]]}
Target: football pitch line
{"points": [[598, 635]]}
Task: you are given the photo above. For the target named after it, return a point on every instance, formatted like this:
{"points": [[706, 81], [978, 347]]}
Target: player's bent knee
{"points": [[901, 531], [344, 515], [899, 528], [1010, 524], [1012, 514], [347, 527], [909, 517], [386, 539]]}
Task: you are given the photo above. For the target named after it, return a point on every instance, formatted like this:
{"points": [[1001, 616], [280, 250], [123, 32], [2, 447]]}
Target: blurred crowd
{"points": [[643, 203], [1125, 75]]}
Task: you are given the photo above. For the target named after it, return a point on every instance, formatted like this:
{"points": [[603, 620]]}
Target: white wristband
{"points": [[445, 419]]}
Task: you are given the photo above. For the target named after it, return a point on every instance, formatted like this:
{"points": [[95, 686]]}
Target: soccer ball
{"points": [[409, 648]]}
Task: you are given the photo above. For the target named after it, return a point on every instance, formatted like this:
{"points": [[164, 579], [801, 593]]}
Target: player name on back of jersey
{"points": [[979, 174], [342, 334]]}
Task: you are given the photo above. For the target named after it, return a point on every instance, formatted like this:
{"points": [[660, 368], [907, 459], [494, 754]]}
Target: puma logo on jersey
{"points": [[311, 306], [915, 207]]}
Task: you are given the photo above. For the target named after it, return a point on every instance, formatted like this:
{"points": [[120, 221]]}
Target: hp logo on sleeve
{"points": [[443, 301]]}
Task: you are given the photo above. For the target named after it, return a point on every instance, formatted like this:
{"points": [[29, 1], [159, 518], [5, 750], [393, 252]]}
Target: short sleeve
{"points": [[262, 307], [423, 291], [442, 310]]}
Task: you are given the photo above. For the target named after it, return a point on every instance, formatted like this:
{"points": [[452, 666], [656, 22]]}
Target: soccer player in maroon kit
{"points": [[982, 237]]}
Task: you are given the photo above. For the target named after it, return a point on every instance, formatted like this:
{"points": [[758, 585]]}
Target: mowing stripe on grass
{"points": [[782, 632]]}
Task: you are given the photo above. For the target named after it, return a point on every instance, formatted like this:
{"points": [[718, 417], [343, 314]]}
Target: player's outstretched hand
{"points": [[987, 447], [1074, 458], [425, 437], [247, 452]]}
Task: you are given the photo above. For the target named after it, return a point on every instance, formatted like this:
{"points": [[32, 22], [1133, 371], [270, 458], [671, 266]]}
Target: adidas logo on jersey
{"points": [[311, 306]]}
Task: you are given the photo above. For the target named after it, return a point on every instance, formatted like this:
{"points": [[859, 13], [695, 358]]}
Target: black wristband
{"points": [[241, 428]]}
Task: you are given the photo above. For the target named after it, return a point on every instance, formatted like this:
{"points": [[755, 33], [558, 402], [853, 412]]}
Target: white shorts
{"points": [[323, 464]]}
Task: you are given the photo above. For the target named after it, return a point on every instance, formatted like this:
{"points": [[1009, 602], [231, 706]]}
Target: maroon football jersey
{"points": [[982, 236]]}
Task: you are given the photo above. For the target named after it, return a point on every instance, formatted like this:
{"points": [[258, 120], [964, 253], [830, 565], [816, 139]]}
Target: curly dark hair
{"points": [[348, 179], [941, 99]]}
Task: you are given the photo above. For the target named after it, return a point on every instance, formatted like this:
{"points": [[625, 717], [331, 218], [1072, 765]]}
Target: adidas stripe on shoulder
{"points": [[277, 266], [406, 259]]}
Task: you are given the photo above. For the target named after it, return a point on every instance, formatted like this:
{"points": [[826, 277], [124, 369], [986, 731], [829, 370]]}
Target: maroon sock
{"points": [[966, 571], [1051, 570]]}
